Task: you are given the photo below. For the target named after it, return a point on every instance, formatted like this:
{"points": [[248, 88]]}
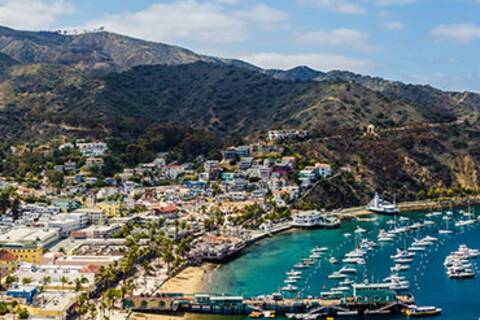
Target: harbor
{"points": [[291, 273]]}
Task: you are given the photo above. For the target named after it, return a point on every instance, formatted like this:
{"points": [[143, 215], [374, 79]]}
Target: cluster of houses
{"points": [[69, 235]]}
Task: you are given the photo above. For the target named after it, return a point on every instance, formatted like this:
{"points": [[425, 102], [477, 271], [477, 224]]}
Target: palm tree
{"points": [[46, 281], [26, 280], [64, 281], [11, 280]]}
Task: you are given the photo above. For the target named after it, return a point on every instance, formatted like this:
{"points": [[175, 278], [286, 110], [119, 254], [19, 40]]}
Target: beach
{"points": [[191, 280]]}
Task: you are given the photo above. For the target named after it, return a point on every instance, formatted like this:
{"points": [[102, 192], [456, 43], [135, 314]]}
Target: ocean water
{"points": [[261, 270]]}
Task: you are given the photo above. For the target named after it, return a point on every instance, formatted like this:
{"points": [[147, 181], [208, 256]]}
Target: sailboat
{"points": [[447, 230]]}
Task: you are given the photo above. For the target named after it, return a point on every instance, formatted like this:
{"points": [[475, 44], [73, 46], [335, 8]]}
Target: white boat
{"points": [[379, 205], [347, 235], [415, 249], [333, 260], [347, 270], [294, 273], [320, 249], [462, 223], [416, 311], [360, 261], [290, 280], [400, 267], [445, 231], [403, 219], [360, 230], [289, 287], [337, 275]]}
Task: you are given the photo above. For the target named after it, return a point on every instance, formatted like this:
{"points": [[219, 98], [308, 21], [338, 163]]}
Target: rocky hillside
{"points": [[102, 51]]}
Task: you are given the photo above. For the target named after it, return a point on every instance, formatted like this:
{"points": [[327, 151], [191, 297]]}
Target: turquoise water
{"points": [[261, 270]]}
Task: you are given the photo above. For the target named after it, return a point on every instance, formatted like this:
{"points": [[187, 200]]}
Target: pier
{"points": [[378, 302]]}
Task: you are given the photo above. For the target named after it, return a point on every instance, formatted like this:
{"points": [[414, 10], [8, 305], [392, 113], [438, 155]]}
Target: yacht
{"points": [[379, 205], [462, 223], [347, 270]]}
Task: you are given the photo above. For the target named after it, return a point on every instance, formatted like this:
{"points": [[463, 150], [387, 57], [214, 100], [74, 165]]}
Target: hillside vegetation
{"points": [[147, 97]]}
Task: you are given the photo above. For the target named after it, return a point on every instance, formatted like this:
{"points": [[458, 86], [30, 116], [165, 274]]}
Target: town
{"points": [[72, 243]]}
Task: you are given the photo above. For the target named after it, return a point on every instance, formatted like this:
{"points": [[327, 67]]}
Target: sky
{"points": [[434, 42]]}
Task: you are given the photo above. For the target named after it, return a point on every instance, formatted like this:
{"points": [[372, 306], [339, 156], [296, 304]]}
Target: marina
{"points": [[320, 267]]}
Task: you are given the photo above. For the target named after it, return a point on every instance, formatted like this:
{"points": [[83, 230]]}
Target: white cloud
{"points": [[383, 3], [204, 22], [228, 1], [319, 61], [342, 37], [394, 25], [339, 6], [462, 32], [263, 15], [33, 14]]}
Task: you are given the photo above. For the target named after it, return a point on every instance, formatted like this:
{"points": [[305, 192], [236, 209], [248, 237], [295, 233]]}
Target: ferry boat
{"points": [[416, 311], [379, 205], [314, 219]]}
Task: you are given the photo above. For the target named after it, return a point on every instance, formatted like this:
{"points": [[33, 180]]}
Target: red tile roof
{"points": [[7, 256]]}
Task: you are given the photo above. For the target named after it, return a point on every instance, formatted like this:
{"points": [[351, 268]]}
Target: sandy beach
{"points": [[190, 280]]}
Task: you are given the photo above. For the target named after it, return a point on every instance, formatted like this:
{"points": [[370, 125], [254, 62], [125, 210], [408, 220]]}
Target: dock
{"points": [[173, 303]]}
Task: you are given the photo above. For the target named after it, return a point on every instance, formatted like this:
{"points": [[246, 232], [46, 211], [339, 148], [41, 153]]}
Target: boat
{"points": [[416, 311], [294, 273], [347, 270], [400, 267], [379, 205], [403, 219], [415, 248], [347, 235], [337, 275], [289, 288], [403, 260], [359, 230], [290, 280], [320, 249], [443, 231], [333, 260], [314, 219], [354, 261], [300, 266], [462, 223]]}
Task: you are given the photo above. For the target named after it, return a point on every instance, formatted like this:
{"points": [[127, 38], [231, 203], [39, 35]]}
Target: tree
{"points": [[64, 280], [11, 280], [23, 313], [26, 280], [46, 281]]}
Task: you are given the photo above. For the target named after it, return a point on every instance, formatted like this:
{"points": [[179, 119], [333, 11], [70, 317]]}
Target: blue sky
{"points": [[433, 42]]}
